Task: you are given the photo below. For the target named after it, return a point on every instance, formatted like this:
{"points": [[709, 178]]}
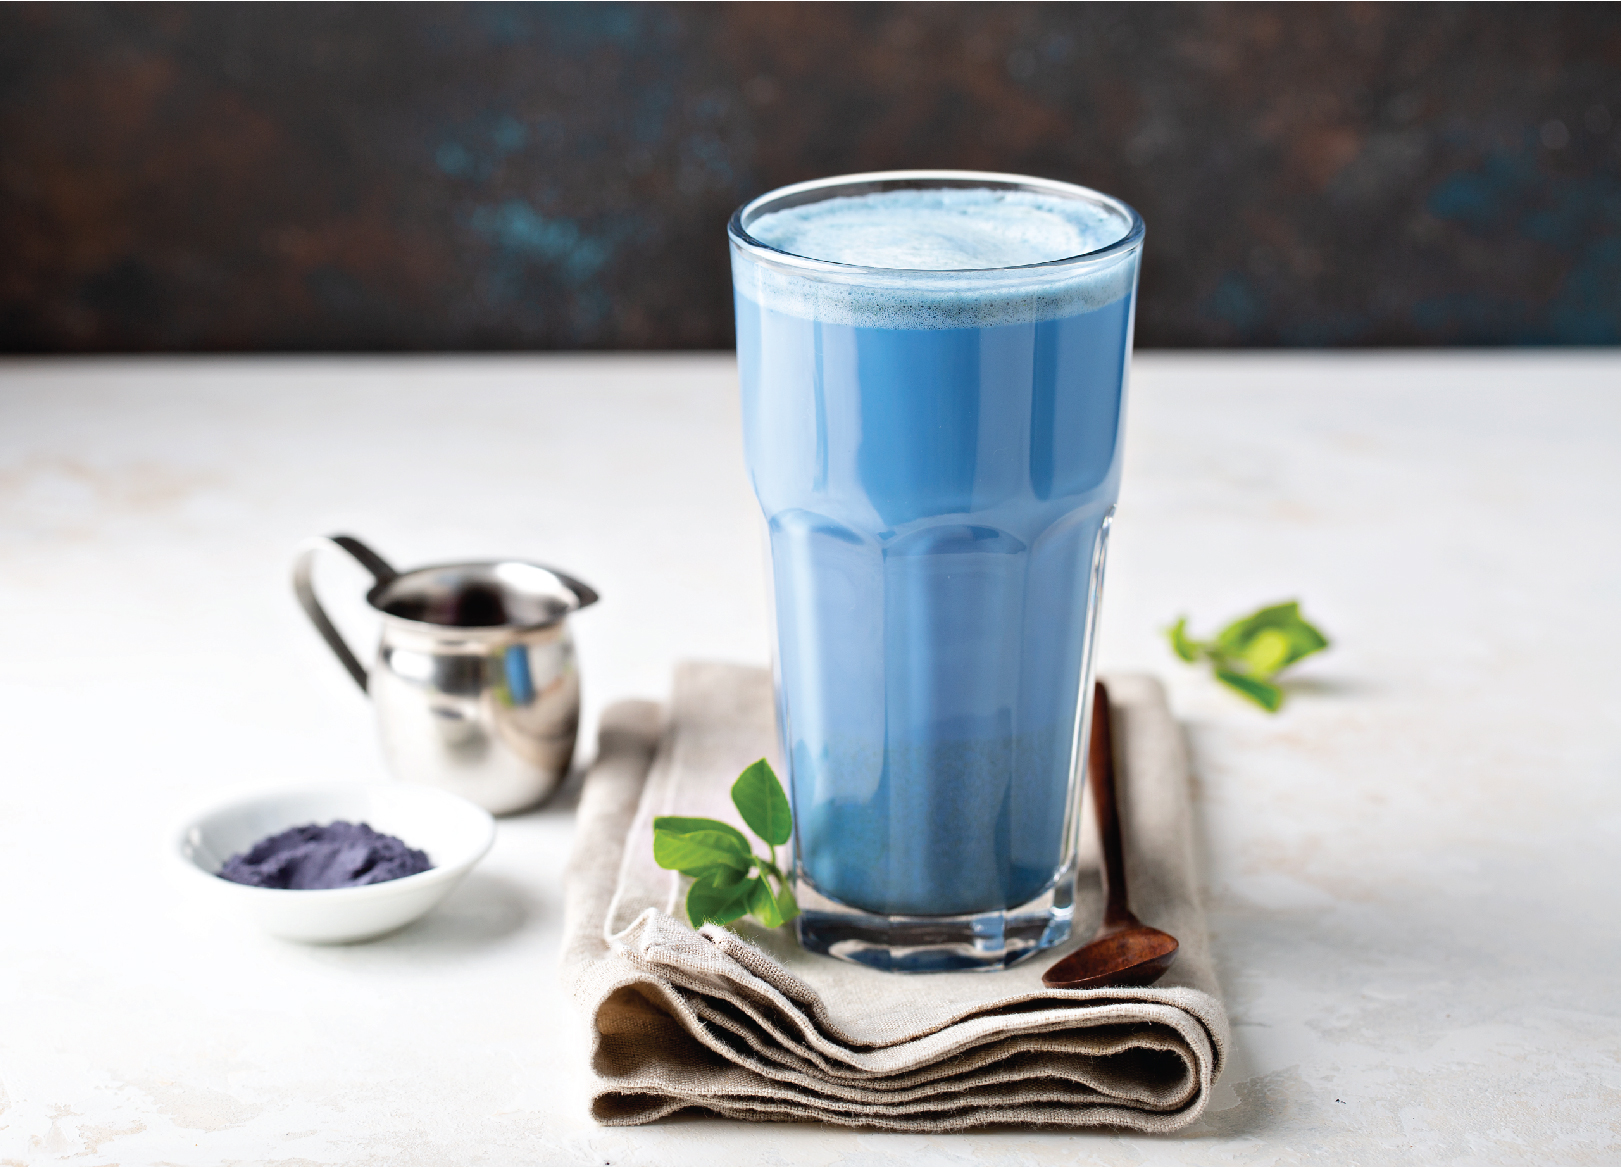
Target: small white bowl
{"points": [[454, 833]]}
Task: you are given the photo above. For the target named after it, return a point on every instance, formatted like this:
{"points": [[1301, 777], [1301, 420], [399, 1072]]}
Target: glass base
{"points": [[988, 941]]}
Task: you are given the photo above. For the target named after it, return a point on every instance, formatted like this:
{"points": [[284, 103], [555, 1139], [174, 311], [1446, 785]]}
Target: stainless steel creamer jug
{"points": [[475, 685]]}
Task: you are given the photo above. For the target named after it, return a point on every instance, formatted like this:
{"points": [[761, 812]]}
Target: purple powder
{"points": [[339, 855]]}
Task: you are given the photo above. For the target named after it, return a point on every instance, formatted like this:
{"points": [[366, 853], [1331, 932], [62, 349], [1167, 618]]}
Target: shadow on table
{"points": [[484, 910], [1328, 686]]}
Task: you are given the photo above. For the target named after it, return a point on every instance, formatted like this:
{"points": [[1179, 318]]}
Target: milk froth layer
{"points": [[949, 228], [938, 258]]}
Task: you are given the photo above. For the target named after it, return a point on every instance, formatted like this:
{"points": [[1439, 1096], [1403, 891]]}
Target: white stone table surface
{"points": [[1413, 872]]}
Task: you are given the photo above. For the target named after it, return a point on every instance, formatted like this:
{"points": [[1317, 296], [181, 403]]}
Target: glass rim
{"points": [[816, 190]]}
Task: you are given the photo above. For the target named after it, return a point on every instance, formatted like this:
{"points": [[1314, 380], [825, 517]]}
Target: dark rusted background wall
{"points": [[448, 176]]}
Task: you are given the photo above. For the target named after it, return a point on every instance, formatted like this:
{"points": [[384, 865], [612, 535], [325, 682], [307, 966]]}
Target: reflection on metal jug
{"points": [[476, 687]]}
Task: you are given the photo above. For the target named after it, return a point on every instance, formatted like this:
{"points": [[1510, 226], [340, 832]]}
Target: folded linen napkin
{"points": [[743, 1023]]}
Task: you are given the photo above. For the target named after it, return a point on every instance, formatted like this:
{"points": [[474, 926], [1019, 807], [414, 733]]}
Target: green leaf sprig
{"points": [[728, 880], [1250, 652]]}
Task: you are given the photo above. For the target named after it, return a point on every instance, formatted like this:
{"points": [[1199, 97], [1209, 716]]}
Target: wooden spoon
{"points": [[1124, 951]]}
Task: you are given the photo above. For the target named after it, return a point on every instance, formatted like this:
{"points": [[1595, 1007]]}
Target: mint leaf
{"points": [[695, 850], [1263, 693], [765, 906], [718, 873], [1184, 648], [764, 807], [786, 904], [1267, 652], [1250, 651], [719, 858], [1256, 632], [681, 825], [720, 902]]}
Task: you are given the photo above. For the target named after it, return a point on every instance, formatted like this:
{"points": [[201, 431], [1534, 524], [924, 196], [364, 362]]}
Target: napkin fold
{"points": [[743, 1023]]}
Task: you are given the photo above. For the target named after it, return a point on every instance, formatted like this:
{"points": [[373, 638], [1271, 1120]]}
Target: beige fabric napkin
{"points": [[745, 1024]]}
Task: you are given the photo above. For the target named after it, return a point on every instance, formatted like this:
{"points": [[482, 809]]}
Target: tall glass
{"points": [[937, 455]]}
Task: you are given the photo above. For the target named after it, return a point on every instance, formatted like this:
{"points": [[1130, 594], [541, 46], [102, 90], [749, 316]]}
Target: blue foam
{"points": [[942, 258], [944, 229]]}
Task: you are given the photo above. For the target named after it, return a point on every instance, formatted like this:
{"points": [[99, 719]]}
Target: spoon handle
{"points": [[1100, 774]]}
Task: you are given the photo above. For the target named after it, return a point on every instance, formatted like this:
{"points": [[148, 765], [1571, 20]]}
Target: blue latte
{"points": [[936, 448]]}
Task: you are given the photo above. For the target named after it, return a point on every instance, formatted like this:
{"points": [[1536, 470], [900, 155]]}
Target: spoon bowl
{"points": [[1135, 956]]}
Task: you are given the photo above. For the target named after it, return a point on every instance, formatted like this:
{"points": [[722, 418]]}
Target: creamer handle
{"points": [[304, 589]]}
